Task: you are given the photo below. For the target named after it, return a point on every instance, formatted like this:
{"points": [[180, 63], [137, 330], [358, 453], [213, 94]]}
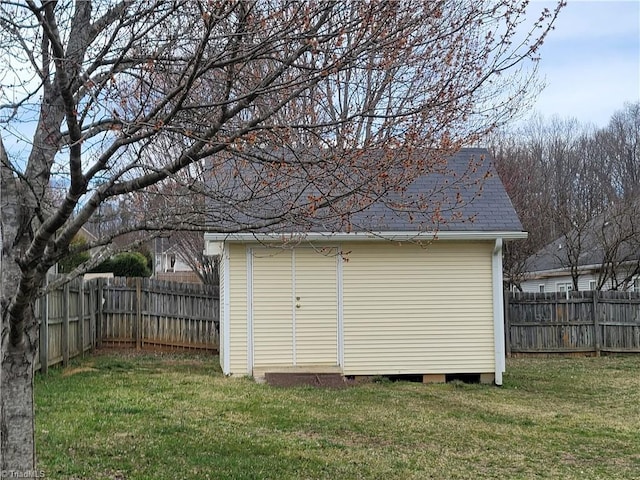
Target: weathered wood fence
{"points": [[67, 323], [126, 312], [143, 312], [580, 322]]}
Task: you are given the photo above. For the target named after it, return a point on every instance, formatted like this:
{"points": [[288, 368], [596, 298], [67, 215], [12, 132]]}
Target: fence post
{"points": [[81, 316], [65, 325], [507, 324], [44, 333], [99, 301], [138, 323], [92, 316], [596, 325]]}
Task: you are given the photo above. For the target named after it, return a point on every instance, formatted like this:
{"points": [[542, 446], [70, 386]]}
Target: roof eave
{"points": [[363, 236], [563, 271]]}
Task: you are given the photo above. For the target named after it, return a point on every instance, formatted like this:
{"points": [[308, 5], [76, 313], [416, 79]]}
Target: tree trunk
{"points": [[17, 419], [17, 424], [17, 427]]}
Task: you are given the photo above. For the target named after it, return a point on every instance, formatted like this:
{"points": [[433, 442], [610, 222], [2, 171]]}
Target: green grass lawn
{"points": [[175, 417]]}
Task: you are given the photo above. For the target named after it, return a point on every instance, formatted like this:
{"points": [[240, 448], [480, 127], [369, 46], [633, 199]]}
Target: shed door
{"points": [[295, 307]]}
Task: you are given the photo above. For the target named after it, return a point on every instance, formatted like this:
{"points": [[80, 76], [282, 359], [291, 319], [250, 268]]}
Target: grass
{"points": [[177, 417]]}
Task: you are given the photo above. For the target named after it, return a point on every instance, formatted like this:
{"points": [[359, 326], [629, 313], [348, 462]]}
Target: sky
{"points": [[591, 61]]}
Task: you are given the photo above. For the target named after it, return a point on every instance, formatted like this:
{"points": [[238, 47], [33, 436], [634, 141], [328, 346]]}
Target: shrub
{"points": [[144, 250], [130, 264], [126, 264]]}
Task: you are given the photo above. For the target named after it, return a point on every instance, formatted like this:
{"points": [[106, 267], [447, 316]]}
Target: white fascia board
{"points": [[361, 236], [562, 271]]}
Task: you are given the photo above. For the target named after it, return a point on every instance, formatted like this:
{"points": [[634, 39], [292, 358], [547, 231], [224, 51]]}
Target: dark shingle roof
{"points": [[462, 194], [589, 244], [469, 195]]}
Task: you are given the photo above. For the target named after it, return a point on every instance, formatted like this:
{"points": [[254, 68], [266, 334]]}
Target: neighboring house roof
{"points": [[463, 196], [552, 257], [591, 252]]}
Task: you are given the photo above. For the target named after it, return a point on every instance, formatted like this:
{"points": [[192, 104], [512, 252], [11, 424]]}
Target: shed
{"points": [[387, 297]]}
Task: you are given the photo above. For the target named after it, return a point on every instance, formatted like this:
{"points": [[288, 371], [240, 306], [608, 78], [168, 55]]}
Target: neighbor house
{"points": [[169, 263], [602, 253], [385, 296], [550, 269]]}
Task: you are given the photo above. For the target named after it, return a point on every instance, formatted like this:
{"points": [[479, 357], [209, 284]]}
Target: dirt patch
{"points": [[120, 352], [73, 371], [162, 354], [328, 380]]}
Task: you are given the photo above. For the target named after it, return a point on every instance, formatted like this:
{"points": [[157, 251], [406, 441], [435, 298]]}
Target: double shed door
{"points": [[294, 307]]}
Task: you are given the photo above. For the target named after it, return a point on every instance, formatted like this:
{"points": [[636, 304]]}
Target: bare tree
{"points": [[104, 84], [524, 179], [189, 247], [184, 196], [616, 238], [550, 179], [619, 148], [579, 185]]}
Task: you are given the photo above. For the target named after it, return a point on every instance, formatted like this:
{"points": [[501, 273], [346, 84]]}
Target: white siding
{"points": [[238, 309], [411, 309], [405, 308]]}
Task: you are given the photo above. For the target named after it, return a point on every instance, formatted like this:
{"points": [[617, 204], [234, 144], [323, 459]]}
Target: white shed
{"points": [[385, 302]]}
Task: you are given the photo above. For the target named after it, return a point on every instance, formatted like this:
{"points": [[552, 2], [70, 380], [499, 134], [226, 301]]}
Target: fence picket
{"points": [[81, 319], [65, 325], [44, 333]]}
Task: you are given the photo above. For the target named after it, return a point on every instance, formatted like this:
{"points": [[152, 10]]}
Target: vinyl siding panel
{"points": [[316, 319], [272, 307], [412, 309], [551, 283], [238, 309]]}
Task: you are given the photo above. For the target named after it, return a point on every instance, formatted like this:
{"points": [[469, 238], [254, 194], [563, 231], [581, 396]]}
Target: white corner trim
{"points": [[498, 313], [339, 288], [294, 302], [226, 313], [249, 311]]}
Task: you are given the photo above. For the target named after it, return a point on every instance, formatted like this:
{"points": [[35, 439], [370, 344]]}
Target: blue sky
{"points": [[591, 61]]}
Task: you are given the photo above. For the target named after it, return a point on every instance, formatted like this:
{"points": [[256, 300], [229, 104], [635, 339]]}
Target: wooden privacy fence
{"points": [[142, 312], [585, 322], [125, 312], [67, 320]]}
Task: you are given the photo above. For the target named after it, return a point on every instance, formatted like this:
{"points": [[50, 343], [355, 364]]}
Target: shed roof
{"points": [[469, 194], [462, 196]]}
